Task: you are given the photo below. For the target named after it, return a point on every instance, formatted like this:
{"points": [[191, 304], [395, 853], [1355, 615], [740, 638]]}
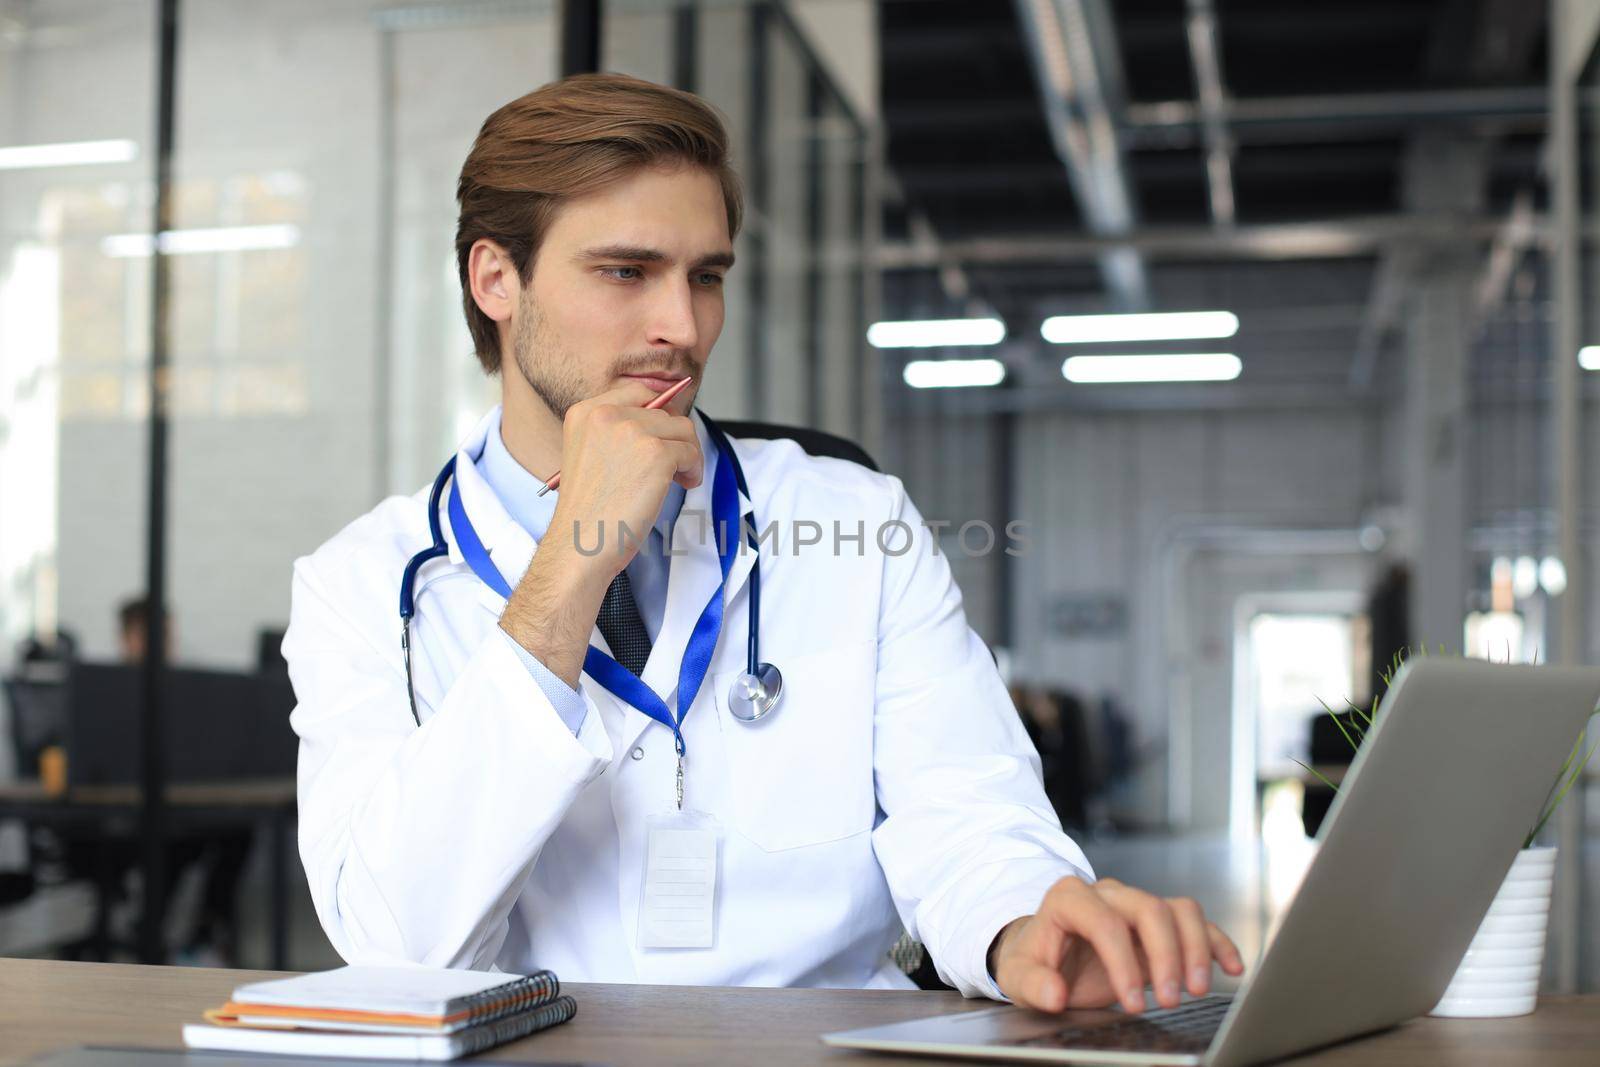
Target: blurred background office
{"points": [[230, 323]]}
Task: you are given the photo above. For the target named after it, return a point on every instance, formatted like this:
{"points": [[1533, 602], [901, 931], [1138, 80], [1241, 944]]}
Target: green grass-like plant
{"points": [[1361, 720]]}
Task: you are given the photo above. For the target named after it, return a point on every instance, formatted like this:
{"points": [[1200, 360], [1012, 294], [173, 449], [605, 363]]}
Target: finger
{"points": [[1075, 908], [1196, 942], [605, 408], [1158, 936], [688, 465], [630, 395], [1045, 943], [1224, 951], [1031, 984], [663, 423]]}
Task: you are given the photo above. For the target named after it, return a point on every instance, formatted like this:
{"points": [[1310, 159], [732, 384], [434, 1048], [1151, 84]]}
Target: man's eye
{"points": [[622, 274], [710, 279]]}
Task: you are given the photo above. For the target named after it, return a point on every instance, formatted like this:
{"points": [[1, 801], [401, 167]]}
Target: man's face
{"points": [[627, 283]]}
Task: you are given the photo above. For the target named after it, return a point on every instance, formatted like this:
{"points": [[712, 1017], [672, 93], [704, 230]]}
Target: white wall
{"points": [[1120, 504], [1180, 514]]}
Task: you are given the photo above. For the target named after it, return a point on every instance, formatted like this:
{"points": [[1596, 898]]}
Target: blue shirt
{"points": [[518, 490]]}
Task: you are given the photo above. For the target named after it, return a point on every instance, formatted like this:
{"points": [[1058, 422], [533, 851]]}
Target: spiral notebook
{"points": [[384, 1012]]}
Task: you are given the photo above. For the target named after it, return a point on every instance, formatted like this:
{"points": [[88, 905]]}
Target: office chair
{"points": [[28, 736], [813, 442], [37, 706], [38, 720], [269, 652]]}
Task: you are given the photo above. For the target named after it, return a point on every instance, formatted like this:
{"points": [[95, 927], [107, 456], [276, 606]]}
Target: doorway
{"points": [[1294, 653]]}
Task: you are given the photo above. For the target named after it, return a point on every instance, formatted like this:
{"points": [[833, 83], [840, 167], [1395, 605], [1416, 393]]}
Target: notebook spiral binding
{"points": [[482, 1038], [511, 998]]}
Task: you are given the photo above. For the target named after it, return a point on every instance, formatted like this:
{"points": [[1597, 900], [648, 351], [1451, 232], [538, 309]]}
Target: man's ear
{"points": [[493, 277]]}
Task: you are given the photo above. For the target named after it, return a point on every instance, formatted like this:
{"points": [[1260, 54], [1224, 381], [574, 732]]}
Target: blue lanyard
{"points": [[617, 679]]}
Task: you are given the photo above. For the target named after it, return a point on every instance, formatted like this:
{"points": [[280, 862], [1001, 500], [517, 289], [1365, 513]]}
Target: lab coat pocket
{"points": [[803, 774]]}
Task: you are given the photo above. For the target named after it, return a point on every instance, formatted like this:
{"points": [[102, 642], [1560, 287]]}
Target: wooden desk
{"points": [[244, 793], [45, 1005], [113, 810]]}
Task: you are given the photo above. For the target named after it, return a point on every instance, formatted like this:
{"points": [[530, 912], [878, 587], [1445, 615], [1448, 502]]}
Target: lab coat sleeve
{"points": [[417, 841], [969, 841]]}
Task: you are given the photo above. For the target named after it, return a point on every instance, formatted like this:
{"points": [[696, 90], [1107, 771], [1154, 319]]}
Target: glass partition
{"points": [[318, 356], [75, 215]]}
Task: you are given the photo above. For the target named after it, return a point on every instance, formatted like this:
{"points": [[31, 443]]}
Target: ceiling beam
{"points": [[1479, 39], [1318, 167], [1205, 55], [953, 279], [1178, 123], [1329, 239], [1076, 65], [1505, 252], [1261, 119]]}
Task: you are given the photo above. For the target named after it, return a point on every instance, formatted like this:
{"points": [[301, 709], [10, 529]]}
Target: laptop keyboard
{"points": [[1186, 1028]]}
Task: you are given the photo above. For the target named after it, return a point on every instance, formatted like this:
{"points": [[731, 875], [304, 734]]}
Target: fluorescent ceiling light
{"points": [[1589, 357], [1196, 367], [221, 239], [1164, 326], [69, 154], [952, 373], [936, 333]]}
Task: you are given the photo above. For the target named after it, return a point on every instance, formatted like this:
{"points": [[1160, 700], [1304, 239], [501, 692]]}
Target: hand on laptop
{"points": [[1094, 945]]}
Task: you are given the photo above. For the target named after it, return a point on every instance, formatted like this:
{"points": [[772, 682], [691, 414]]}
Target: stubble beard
{"points": [[550, 371], [553, 373]]}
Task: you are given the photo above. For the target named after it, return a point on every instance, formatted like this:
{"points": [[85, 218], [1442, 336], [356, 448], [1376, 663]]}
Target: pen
{"points": [[661, 400]]}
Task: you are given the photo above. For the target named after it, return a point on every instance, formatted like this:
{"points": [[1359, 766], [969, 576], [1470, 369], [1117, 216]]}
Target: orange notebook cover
{"points": [[386, 1000]]}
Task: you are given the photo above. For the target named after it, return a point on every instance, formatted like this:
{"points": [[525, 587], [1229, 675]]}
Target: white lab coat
{"points": [[893, 785]]}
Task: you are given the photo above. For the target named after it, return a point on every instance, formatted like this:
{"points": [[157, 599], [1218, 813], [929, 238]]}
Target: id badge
{"points": [[678, 903]]}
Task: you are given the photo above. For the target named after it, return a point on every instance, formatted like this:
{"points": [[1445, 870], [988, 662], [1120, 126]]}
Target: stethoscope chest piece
{"points": [[754, 695]]}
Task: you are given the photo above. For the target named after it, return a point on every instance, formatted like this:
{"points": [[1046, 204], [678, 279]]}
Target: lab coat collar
{"points": [[508, 544]]}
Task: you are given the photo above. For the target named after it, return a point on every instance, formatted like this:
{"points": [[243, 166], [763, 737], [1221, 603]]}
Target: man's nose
{"points": [[672, 322]]}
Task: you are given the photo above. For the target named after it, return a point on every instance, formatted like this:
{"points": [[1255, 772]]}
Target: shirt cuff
{"points": [[567, 701], [992, 991]]}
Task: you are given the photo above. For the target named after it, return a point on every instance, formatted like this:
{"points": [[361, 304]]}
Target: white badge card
{"points": [[678, 902]]}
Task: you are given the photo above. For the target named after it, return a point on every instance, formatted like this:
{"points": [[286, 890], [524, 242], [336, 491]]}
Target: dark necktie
{"points": [[621, 626]]}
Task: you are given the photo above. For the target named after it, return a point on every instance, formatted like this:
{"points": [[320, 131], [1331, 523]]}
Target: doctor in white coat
{"points": [[509, 821]]}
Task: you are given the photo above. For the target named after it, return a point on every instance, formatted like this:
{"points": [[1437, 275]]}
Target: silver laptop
{"points": [[1422, 833]]}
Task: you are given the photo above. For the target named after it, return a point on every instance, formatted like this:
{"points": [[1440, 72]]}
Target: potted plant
{"points": [[1499, 974]]}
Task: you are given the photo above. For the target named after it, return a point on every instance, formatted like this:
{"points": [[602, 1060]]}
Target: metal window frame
{"points": [[758, 188], [1574, 40], [152, 766], [771, 21]]}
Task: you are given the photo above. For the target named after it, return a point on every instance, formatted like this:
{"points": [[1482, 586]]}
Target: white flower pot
{"points": [[1499, 975]]}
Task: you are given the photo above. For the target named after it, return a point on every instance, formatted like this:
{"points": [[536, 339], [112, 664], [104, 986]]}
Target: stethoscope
{"points": [[754, 692]]}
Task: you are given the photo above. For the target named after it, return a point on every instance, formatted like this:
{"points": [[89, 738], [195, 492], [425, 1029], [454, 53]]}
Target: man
{"points": [[511, 819], [133, 632]]}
